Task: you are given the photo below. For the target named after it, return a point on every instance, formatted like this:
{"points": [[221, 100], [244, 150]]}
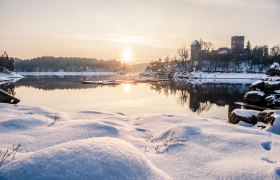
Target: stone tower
{"points": [[237, 44], [195, 50]]}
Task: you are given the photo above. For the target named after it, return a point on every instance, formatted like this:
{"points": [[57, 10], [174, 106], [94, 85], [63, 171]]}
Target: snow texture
{"points": [[101, 145], [247, 113], [260, 93], [94, 158], [10, 75]]}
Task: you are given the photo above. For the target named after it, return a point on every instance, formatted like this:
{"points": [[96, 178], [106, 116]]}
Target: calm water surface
{"points": [[68, 94]]}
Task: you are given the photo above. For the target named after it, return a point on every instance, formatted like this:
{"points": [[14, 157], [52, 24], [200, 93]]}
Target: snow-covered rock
{"points": [[246, 112], [254, 97], [248, 116], [274, 69], [272, 100]]}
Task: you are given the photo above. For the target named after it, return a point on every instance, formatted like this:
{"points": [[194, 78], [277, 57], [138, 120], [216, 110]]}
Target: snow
{"points": [[102, 145], [214, 81], [217, 75], [276, 126], [274, 83], [195, 43], [247, 113], [11, 75], [2, 78], [275, 65], [260, 93], [67, 73], [98, 158], [257, 82]]}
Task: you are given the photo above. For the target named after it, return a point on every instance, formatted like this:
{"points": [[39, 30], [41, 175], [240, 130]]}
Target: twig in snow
{"points": [[9, 153]]}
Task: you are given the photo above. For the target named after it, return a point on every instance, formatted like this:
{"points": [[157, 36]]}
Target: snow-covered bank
{"points": [[9, 76], [215, 81], [68, 73], [217, 75], [92, 144]]}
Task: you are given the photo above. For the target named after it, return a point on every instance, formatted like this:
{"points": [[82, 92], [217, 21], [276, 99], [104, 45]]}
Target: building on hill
{"points": [[237, 44], [237, 48]]}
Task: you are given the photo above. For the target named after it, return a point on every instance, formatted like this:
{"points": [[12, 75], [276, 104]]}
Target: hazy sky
{"points": [[143, 29]]}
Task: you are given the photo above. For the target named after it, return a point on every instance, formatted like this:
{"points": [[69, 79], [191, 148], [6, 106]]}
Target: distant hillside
{"points": [[137, 68], [68, 64]]}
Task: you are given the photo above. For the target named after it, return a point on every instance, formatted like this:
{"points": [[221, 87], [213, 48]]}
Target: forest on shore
{"points": [[68, 64]]}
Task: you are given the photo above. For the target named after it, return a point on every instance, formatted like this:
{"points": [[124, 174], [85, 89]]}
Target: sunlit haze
{"points": [[128, 30]]}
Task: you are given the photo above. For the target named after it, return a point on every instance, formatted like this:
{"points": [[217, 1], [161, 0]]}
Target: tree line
{"points": [[68, 64], [6, 63]]}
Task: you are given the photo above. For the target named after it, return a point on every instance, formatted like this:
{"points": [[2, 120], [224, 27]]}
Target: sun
{"points": [[127, 55]]}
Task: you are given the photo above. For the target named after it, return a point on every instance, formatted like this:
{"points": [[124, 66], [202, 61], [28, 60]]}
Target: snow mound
{"points": [[243, 168], [99, 129], [95, 158], [20, 124], [178, 132]]}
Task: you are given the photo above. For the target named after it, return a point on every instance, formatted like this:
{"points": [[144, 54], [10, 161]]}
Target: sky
{"points": [[134, 31]]}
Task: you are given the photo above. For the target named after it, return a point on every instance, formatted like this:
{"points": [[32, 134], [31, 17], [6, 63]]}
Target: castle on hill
{"points": [[237, 48]]}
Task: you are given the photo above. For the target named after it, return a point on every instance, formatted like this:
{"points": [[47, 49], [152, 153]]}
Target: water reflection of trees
{"points": [[201, 97], [57, 82]]}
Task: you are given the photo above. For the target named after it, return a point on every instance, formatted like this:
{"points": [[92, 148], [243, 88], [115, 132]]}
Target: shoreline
{"points": [[217, 75]]}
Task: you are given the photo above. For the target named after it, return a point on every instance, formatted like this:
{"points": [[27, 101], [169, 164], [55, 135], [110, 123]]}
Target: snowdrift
{"points": [[95, 158], [99, 145]]}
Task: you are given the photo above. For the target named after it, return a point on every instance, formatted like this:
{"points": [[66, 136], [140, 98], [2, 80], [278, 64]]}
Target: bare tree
{"points": [[183, 53], [206, 45]]}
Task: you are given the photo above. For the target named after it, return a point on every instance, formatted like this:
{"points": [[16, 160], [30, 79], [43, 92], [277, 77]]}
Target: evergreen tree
{"points": [[249, 50], [6, 62]]}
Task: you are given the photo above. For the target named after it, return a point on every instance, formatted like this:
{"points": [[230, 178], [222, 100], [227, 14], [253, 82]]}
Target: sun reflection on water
{"points": [[127, 88]]}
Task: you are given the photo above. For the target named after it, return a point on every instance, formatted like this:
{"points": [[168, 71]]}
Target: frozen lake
{"points": [[68, 94]]}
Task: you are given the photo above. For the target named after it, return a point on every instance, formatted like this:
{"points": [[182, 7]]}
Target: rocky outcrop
{"points": [[266, 92]]}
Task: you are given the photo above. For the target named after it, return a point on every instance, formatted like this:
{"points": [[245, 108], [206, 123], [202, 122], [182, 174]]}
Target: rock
{"points": [[272, 100], [266, 117], [274, 84], [254, 97], [248, 116], [274, 69], [258, 85]]}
